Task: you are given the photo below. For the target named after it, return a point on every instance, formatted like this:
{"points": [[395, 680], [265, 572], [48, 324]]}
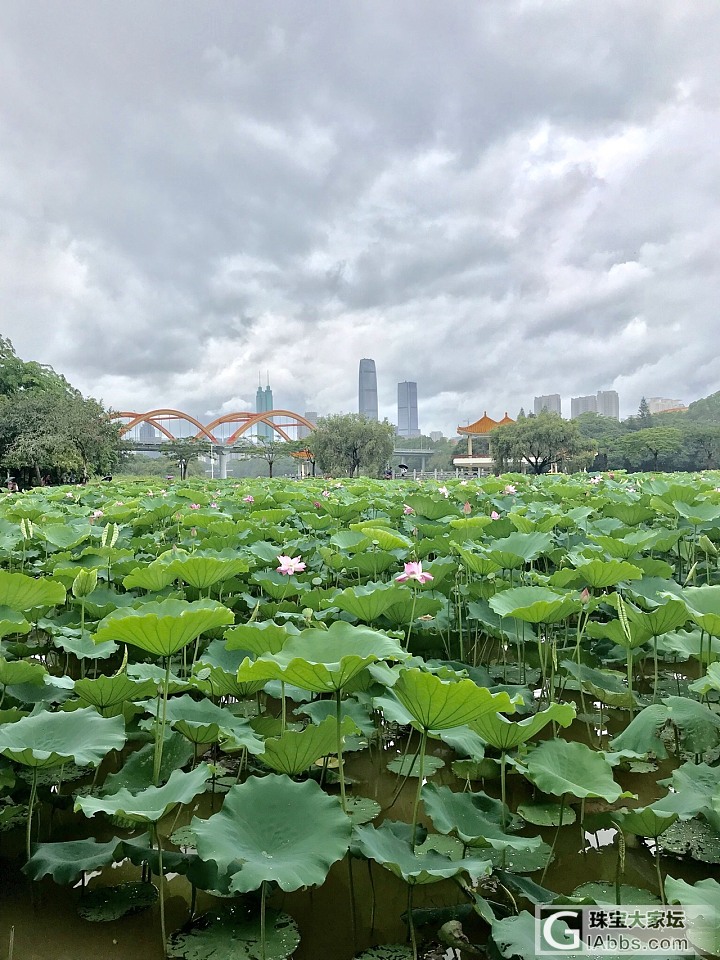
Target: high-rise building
{"points": [[580, 405], [367, 390], [303, 431], [662, 404], [263, 403], [608, 404], [407, 422], [550, 402]]}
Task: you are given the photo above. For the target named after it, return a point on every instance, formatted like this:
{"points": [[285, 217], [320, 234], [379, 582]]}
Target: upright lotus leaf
{"points": [[262, 638], [67, 534], [383, 538], [519, 548], [641, 734], [705, 929], [204, 722], [154, 672], [20, 592], [631, 514], [703, 604], [274, 829], [153, 577], [49, 739], [324, 661], [430, 508], [278, 586], [151, 804], [534, 604], [644, 821], [203, 570], [600, 574], [477, 563], [369, 601], [163, 628], [137, 771], [613, 630], [391, 845], [12, 622], [296, 750], [504, 734], [661, 619], [108, 692], [698, 513], [606, 685], [474, 818], [436, 704], [625, 548], [711, 681], [698, 725], [66, 861], [560, 767], [21, 671]]}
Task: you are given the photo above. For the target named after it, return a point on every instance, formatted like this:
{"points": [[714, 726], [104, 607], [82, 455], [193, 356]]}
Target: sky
{"points": [[496, 200]]}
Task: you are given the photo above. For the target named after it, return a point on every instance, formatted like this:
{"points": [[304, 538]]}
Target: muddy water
{"points": [[46, 925]]}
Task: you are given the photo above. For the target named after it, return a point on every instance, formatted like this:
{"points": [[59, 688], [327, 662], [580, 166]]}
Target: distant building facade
{"points": [[263, 403], [367, 390], [663, 404], [608, 404], [550, 402], [436, 435], [407, 410], [304, 431], [580, 405]]}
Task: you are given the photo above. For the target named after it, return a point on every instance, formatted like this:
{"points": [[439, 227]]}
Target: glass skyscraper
{"points": [[263, 403], [367, 390], [407, 422]]}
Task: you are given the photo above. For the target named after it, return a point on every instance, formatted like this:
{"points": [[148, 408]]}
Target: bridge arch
{"points": [[244, 418], [153, 417]]}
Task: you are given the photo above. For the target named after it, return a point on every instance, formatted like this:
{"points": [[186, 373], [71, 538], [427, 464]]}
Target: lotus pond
{"points": [[353, 719]]}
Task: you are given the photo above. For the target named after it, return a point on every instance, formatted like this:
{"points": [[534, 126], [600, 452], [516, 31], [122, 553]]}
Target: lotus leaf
{"points": [[391, 845], [272, 828], [137, 771], [504, 734], [641, 734], [68, 534], [607, 686], [234, 931], [164, 627], [81, 644], [66, 861], [48, 739], [644, 821], [605, 893], [430, 508], [560, 767], [436, 704], [21, 671], [705, 930], [477, 563], [474, 818], [698, 513], [410, 766], [320, 709], [12, 622], [278, 586], [151, 804], [296, 751], [204, 570], [107, 692], [546, 814], [105, 904], [258, 638], [204, 722], [600, 574], [324, 660], [154, 577], [662, 619], [534, 604], [703, 604], [696, 839], [20, 592], [361, 809], [389, 951], [369, 601]]}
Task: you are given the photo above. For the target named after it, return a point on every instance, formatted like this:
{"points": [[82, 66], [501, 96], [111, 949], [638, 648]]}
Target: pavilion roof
{"points": [[484, 425]]}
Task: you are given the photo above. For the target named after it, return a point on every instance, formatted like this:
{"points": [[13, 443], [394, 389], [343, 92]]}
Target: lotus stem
{"points": [[419, 786], [661, 885], [502, 787], [338, 716], [263, 894], [31, 804], [557, 831], [411, 925], [160, 728], [161, 883], [11, 945], [412, 620], [620, 866], [655, 665], [283, 714]]}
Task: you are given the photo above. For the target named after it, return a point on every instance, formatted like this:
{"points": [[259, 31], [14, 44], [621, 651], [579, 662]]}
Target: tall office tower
{"points": [[303, 431], [263, 403], [407, 422], [269, 405], [580, 405], [367, 390], [608, 404], [550, 402]]}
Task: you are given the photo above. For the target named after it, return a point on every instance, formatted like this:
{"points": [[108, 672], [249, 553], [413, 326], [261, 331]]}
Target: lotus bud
{"points": [[84, 583]]}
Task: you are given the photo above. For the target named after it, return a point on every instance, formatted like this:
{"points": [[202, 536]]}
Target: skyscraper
{"points": [[302, 431], [549, 402], [407, 417], [608, 404], [263, 403], [580, 405], [367, 390]]}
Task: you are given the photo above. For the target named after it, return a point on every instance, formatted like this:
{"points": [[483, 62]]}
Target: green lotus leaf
{"points": [[272, 515], [349, 540], [705, 931], [259, 638], [20, 592], [278, 586], [409, 766], [21, 671], [631, 514], [106, 904], [68, 534], [711, 681], [154, 672], [687, 644], [273, 828], [137, 771], [625, 548], [12, 622], [703, 603], [698, 513], [106, 692], [151, 804], [66, 861], [534, 604], [162, 628], [474, 818], [470, 527], [644, 821], [430, 508], [560, 767], [154, 577], [662, 619], [641, 734], [234, 932], [608, 686], [385, 539], [81, 644], [369, 601], [613, 630], [436, 704], [399, 614], [547, 814], [519, 548], [324, 660], [319, 710], [477, 563], [203, 571], [504, 734], [607, 573], [205, 722], [361, 809], [391, 846], [693, 838], [296, 751], [699, 726], [48, 739]]}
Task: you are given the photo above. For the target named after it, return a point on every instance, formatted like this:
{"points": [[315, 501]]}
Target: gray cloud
{"points": [[496, 200]]}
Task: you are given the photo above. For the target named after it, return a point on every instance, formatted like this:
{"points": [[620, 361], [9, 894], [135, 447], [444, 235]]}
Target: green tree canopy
{"points": [[345, 444], [541, 441]]}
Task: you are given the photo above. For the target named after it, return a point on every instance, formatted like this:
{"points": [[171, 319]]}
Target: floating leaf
{"points": [[234, 931], [546, 814], [105, 904]]}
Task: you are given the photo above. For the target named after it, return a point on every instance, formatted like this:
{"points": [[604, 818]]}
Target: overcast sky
{"points": [[496, 199]]}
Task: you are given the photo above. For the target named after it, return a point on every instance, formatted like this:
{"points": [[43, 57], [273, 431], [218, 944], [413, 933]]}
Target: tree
{"points": [[649, 448], [541, 441], [344, 444], [185, 451]]}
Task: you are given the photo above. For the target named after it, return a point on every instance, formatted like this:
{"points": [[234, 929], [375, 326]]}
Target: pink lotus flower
{"points": [[510, 488], [213, 504], [248, 499], [463, 483], [290, 565], [326, 493], [595, 480], [585, 596], [194, 506], [444, 491], [407, 510], [317, 504], [467, 509], [96, 514], [414, 571], [494, 515]]}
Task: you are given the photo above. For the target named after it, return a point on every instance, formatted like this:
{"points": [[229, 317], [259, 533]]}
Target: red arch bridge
{"points": [[223, 434]]}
